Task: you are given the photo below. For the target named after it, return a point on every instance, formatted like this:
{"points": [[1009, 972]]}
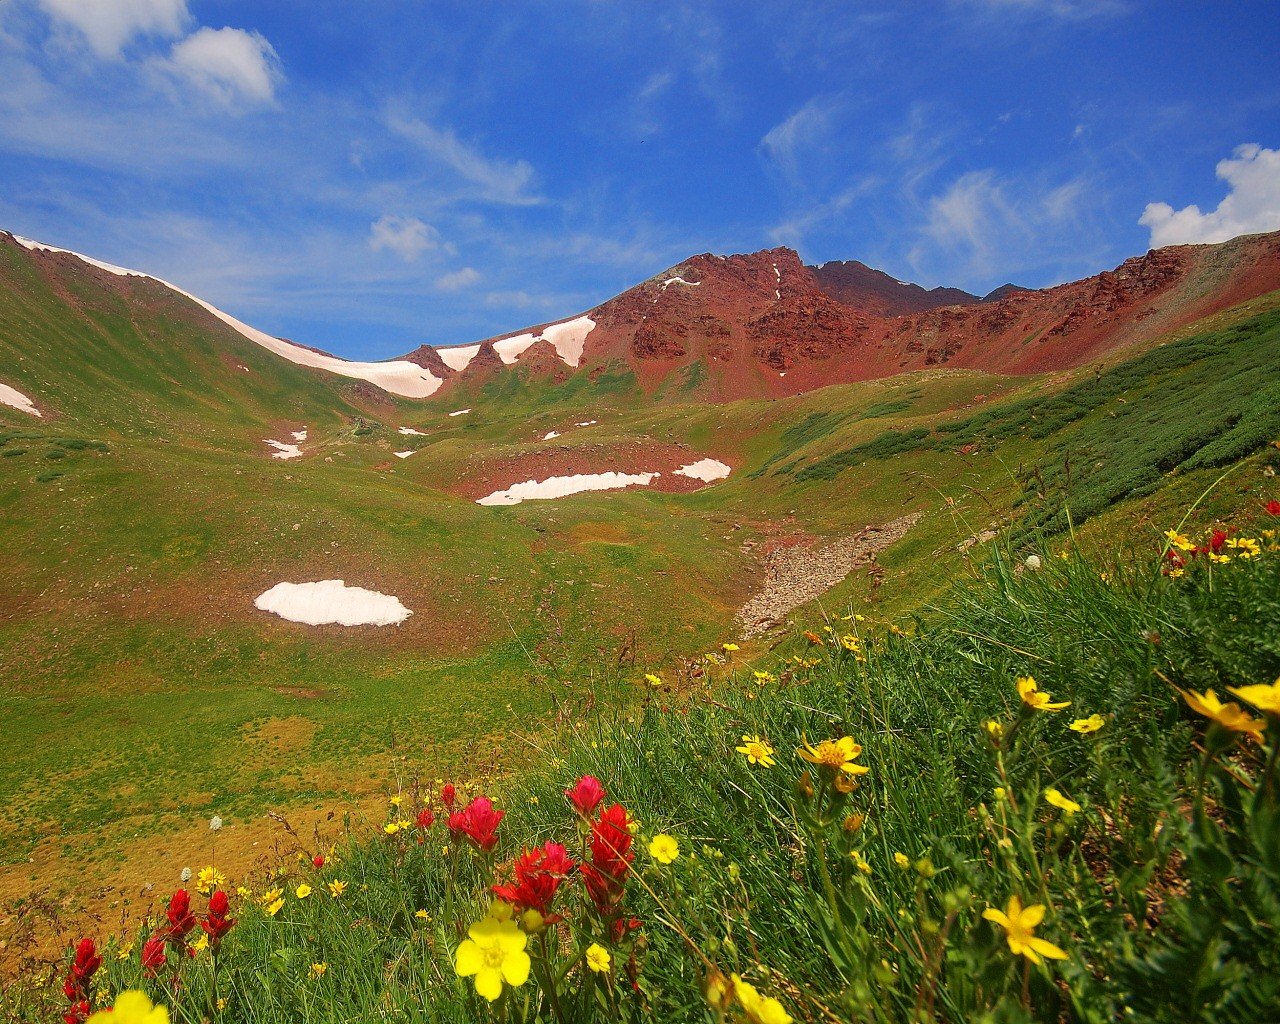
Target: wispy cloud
{"points": [[1252, 203], [497, 180], [407, 237], [792, 140], [458, 280], [108, 26]]}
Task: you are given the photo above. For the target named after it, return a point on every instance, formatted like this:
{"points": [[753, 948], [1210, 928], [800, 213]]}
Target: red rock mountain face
{"points": [[763, 324]]}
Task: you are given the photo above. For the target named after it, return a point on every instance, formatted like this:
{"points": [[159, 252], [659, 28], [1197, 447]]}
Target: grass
{"points": [[866, 905]]}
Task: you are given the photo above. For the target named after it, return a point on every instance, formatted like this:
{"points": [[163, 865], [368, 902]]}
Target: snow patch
{"points": [[459, 412], [588, 423], [282, 450], [15, 399], [705, 470], [550, 434], [567, 337], [562, 486], [332, 601], [679, 280], [300, 435], [404, 455], [398, 376], [410, 431]]}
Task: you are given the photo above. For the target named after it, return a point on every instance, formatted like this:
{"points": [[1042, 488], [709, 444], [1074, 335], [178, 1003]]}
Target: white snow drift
{"points": [[705, 470], [560, 486], [404, 455], [398, 376], [283, 450], [409, 430], [15, 399], [332, 602], [566, 337]]}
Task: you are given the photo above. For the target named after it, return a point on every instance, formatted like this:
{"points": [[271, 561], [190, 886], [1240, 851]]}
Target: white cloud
{"points": [[407, 237], [500, 181], [110, 25], [229, 64], [1252, 203], [458, 280], [787, 141]]}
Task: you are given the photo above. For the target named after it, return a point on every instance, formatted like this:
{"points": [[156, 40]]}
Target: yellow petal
{"points": [[1047, 949], [998, 916], [515, 968], [512, 940], [489, 983], [468, 960], [1032, 916]]}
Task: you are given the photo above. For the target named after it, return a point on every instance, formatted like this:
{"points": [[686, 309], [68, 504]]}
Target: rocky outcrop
{"points": [[876, 293]]}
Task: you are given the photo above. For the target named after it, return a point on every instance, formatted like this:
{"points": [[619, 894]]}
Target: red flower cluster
{"points": [[537, 875], [216, 923], [181, 920], [426, 818], [585, 795], [153, 954], [76, 987], [1273, 507], [478, 822], [448, 794], [317, 861], [611, 858]]}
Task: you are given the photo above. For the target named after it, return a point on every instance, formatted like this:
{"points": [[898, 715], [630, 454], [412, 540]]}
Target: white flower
{"points": [[215, 823], [186, 875], [1033, 562]]}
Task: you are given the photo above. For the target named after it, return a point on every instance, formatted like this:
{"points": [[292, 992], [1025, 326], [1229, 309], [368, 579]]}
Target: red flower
{"points": [[624, 925], [1273, 507], [216, 923], [611, 858], [83, 968], [153, 954], [585, 795], [1216, 541], [317, 861], [77, 1013], [426, 818], [181, 920], [478, 821], [538, 874], [1174, 559], [448, 794]]}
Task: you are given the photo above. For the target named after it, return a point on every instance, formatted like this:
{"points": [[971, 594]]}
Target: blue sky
{"points": [[368, 176]]}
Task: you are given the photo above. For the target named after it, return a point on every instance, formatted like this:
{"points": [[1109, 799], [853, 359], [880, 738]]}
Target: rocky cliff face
{"points": [[876, 293]]}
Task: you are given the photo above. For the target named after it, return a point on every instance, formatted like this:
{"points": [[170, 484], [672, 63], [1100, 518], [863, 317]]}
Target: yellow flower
{"points": [[1263, 696], [397, 800], [1000, 792], [1246, 547], [757, 751], [125, 950], [652, 680], [1060, 801], [1177, 540], [838, 755], [243, 891], [274, 907], [729, 648], [850, 643], [598, 958], [337, 888], [421, 915], [902, 860], [317, 970], [532, 920], [493, 953], [759, 1009], [201, 944], [1084, 726], [764, 677], [1019, 926], [208, 879], [663, 848], [303, 891], [1230, 716], [1031, 694], [861, 862], [994, 729], [391, 828], [132, 1007]]}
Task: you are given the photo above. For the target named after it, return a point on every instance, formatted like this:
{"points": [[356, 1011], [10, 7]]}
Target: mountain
{"points": [[873, 291]]}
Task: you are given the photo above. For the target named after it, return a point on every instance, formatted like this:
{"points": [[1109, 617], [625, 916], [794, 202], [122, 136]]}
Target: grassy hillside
{"points": [[761, 881]]}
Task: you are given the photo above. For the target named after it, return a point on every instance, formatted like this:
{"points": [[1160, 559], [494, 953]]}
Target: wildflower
{"points": [[1245, 547], [337, 888], [270, 896], [652, 680], [1000, 793], [1178, 541], [663, 848], [1032, 562], [1273, 508], [210, 878], [132, 1007], [1019, 926], [421, 915], [478, 821], [303, 891], [1084, 726], [994, 729], [244, 892], [199, 946], [902, 860], [836, 755], [598, 958], [184, 876], [494, 954], [317, 970], [611, 857], [216, 923], [538, 873], [1031, 694], [532, 921], [125, 951], [391, 828], [397, 800], [764, 677], [851, 643], [1060, 801], [1229, 716], [756, 751], [317, 861], [77, 986], [448, 794], [861, 862], [153, 954], [181, 920], [812, 637], [426, 818], [215, 823], [274, 907], [759, 1009], [585, 795], [1263, 696], [729, 648]]}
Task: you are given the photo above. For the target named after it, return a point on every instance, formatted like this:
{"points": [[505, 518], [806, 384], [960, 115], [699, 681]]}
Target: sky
{"points": [[366, 177]]}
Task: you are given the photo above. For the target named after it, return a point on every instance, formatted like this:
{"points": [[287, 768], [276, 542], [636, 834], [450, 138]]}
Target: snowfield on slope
{"points": [[332, 602], [398, 376], [567, 337], [15, 399], [706, 470], [283, 450]]}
